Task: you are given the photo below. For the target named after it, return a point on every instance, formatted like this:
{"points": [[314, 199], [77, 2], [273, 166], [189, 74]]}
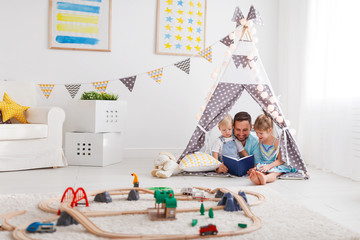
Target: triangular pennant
{"points": [[156, 74], [72, 89], [129, 82], [254, 15], [46, 89], [227, 41], [184, 65], [243, 60], [206, 53], [238, 15], [100, 86]]}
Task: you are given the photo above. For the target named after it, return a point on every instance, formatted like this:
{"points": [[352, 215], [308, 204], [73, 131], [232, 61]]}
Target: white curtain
{"points": [[326, 105]]}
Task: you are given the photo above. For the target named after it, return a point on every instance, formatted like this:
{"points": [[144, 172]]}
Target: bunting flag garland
{"points": [[184, 65], [129, 82], [238, 15], [243, 60], [72, 89], [156, 75], [227, 41], [46, 89], [254, 15], [207, 54], [100, 86]]}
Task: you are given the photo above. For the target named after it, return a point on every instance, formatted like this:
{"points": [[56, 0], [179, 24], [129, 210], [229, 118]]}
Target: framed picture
{"points": [[80, 25], [180, 26]]}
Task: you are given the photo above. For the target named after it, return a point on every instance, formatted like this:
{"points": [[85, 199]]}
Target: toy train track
{"points": [[83, 217]]}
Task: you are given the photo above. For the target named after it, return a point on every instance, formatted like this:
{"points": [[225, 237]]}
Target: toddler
{"points": [[227, 144], [270, 166]]}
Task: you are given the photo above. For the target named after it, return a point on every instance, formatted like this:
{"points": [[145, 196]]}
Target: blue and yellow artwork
{"points": [[180, 26], [80, 24]]}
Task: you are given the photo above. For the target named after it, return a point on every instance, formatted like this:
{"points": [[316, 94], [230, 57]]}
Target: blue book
{"points": [[239, 167]]}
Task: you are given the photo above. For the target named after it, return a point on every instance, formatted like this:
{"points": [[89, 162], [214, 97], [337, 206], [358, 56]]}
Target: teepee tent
{"points": [[243, 70]]}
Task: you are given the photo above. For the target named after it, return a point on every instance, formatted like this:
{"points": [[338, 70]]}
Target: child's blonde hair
{"points": [[227, 120], [263, 123]]}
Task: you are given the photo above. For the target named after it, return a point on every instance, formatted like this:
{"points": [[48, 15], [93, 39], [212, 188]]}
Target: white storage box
{"points": [[96, 115], [93, 149]]}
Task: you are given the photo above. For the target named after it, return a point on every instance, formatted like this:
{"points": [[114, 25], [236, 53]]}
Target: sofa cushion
{"points": [[23, 131], [11, 109], [1, 120]]}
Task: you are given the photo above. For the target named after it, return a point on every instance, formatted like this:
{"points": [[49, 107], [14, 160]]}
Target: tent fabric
{"points": [[223, 98]]}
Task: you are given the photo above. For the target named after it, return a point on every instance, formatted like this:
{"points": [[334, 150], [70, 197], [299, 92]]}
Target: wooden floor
{"points": [[336, 197]]}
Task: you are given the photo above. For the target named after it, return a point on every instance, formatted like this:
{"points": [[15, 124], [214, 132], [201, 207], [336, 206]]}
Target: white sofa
{"points": [[34, 145]]}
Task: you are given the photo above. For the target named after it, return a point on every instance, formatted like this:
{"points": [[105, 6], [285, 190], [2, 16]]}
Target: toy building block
{"points": [[65, 220], [194, 222], [167, 210], [242, 225], [211, 213], [133, 195], [103, 197], [202, 208]]}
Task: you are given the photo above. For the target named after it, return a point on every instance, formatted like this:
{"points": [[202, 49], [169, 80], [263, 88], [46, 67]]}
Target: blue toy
{"points": [[38, 227]]}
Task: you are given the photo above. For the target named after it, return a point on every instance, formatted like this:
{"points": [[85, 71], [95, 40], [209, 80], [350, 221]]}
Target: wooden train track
{"points": [[83, 217]]}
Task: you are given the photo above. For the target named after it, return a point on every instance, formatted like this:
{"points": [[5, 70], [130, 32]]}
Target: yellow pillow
{"points": [[10, 109], [199, 162]]}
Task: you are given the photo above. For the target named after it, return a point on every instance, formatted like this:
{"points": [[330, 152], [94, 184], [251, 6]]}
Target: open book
{"points": [[239, 167]]}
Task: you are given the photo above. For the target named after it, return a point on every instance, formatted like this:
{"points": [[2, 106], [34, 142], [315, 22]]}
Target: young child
{"points": [[271, 166], [227, 144]]}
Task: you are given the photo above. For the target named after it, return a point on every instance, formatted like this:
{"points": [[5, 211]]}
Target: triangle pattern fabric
{"points": [[254, 15], [156, 75], [129, 82], [227, 41], [100, 86], [184, 65], [238, 15], [73, 89], [242, 60], [46, 89], [206, 53]]}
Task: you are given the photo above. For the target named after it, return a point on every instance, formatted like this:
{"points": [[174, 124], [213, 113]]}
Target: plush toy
{"points": [[165, 165]]}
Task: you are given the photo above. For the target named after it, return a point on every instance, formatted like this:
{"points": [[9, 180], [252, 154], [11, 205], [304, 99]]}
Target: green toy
{"points": [[194, 222], [202, 208], [242, 225], [211, 213]]}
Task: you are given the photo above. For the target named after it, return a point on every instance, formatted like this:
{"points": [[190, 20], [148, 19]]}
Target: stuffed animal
{"points": [[165, 165]]}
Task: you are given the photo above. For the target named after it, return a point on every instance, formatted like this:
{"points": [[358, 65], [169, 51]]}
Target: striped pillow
{"points": [[199, 162]]}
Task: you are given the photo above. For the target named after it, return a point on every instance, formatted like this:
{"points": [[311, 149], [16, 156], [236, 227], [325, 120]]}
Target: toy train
{"points": [[208, 230], [195, 193], [38, 227]]}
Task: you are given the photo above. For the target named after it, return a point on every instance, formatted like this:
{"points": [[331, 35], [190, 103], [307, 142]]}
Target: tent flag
{"points": [[227, 41], [238, 15], [156, 75], [100, 86], [129, 82], [254, 15], [243, 60], [72, 89], [223, 98], [184, 65], [206, 53], [46, 89]]}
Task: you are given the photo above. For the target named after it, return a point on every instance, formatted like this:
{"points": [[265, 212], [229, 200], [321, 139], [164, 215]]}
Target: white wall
{"points": [[159, 116]]}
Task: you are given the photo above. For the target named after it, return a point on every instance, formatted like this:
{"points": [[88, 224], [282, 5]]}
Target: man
{"points": [[242, 127]]}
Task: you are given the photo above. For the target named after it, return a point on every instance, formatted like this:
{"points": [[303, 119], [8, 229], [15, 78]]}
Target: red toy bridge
{"points": [[75, 197]]}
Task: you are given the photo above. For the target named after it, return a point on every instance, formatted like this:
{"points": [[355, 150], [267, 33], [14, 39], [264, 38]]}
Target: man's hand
{"points": [[222, 169]]}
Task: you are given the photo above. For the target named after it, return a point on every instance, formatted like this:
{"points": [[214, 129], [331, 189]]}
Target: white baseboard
{"points": [[149, 153]]}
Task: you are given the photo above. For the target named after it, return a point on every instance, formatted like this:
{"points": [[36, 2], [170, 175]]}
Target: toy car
{"points": [[187, 191], [208, 230], [38, 227]]}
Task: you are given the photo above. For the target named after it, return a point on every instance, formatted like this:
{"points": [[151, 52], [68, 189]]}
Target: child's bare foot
{"points": [[253, 177], [261, 178]]}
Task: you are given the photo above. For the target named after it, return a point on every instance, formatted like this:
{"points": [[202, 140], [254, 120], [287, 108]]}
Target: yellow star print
{"points": [[197, 47], [168, 45], [188, 47], [191, 4], [199, 22], [199, 14], [180, 20], [178, 37], [198, 39], [199, 5], [168, 10], [179, 28], [180, 12], [169, 2], [189, 38], [168, 27], [190, 29], [190, 13]]}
